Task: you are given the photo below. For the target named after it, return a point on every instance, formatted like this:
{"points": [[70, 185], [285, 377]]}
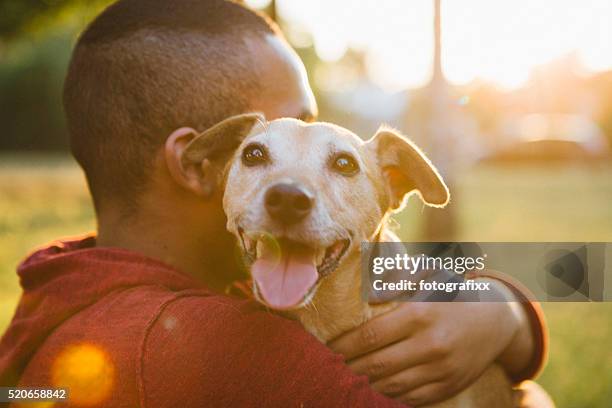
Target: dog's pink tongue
{"points": [[284, 279]]}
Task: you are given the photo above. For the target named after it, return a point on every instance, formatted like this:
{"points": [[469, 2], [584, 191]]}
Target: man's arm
{"points": [[219, 351], [531, 341], [424, 352]]}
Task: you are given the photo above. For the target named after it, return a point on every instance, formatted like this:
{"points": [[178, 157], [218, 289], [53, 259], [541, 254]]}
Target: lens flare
{"points": [[86, 371], [42, 404], [266, 245]]}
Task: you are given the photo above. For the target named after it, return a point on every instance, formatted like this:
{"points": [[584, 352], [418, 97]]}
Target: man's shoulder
{"points": [[236, 353], [197, 316], [196, 313]]}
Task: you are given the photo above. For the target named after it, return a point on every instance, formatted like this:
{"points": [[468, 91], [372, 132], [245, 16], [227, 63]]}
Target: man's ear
{"points": [[196, 160], [407, 170]]}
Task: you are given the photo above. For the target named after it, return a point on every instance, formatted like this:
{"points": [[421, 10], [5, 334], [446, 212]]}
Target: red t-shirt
{"points": [[124, 330]]}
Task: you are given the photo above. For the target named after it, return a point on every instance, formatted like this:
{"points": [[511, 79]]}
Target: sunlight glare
{"points": [[500, 41]]}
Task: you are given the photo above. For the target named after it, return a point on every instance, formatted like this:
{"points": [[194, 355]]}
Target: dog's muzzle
{"points": [[286, 272]]}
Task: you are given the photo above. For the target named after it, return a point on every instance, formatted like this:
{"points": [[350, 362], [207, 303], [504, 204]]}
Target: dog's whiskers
{"points": [[314, 307]]}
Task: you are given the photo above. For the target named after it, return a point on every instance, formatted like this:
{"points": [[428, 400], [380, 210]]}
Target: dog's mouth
{"points": [[286, 272]]}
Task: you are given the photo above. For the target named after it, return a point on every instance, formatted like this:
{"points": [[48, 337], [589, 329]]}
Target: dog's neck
{"points": [[337, 306]]}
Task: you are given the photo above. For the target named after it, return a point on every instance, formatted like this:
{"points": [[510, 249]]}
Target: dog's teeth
{"points": [[320, 256], [259, 249], [267, 247], [337, 249]]}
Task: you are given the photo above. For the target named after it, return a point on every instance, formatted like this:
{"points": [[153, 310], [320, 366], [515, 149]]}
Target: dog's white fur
{"points": [[345, 207]]}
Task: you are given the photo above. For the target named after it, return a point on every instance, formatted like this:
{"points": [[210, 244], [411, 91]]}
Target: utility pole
{"points": [[437, 61], [440, 225], [439, 100], [272, 11]]}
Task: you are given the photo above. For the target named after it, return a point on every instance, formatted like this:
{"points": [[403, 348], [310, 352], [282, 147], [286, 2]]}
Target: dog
{"points": [[300, 198]]}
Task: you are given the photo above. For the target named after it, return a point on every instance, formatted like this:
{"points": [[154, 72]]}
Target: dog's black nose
{"points": [[287, 203]]}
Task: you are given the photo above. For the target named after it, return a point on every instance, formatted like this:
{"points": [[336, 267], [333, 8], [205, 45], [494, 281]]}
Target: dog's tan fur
{"points": [[355, 207]]}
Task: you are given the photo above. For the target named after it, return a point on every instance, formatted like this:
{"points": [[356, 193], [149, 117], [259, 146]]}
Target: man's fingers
{"points": [[407, 380], [378, 332], [426, 394], [390, 360]]}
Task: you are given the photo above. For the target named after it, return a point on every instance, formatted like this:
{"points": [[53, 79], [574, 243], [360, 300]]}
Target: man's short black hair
{"points": [[142, 69]]}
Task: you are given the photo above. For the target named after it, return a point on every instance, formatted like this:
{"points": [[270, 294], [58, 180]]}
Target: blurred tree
{"points": [[15, 14], [36, 39], [19, 16], [31, 79]]}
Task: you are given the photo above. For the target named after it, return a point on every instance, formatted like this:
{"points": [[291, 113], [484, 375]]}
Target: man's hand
{"points": [[426, 352]]}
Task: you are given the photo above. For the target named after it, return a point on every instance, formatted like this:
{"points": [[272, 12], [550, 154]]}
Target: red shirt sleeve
{"points": [[218, 351]]}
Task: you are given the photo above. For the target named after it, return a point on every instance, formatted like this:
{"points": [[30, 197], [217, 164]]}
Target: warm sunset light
{"points": [[498, 41], [279, 195], [86, 371]]}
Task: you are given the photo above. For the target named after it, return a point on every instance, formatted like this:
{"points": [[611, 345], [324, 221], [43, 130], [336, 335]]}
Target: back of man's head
{"points": [[146, 67]]}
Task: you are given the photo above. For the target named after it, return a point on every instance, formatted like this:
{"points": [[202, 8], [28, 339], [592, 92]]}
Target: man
{"points": [[136, 315]]}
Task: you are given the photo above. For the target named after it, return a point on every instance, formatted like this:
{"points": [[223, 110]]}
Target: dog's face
{"points": [[301, 197]]}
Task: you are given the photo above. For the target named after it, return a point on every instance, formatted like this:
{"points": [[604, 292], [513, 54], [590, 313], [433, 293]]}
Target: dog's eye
{"points": [[254, 154], [345, 164]]}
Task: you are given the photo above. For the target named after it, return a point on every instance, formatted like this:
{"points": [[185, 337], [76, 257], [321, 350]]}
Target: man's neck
{"points": [[207, 255]]}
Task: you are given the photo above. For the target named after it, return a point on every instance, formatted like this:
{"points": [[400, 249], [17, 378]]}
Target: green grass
{"points": [[43, 198]]}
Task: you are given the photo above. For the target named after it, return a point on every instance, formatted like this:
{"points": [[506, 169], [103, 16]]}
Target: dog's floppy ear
{"points": [[198, 162], [407, 170], [220, 141]]}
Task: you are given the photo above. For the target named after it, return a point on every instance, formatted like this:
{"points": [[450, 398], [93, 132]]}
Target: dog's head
{"points": [[301, 196]]}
